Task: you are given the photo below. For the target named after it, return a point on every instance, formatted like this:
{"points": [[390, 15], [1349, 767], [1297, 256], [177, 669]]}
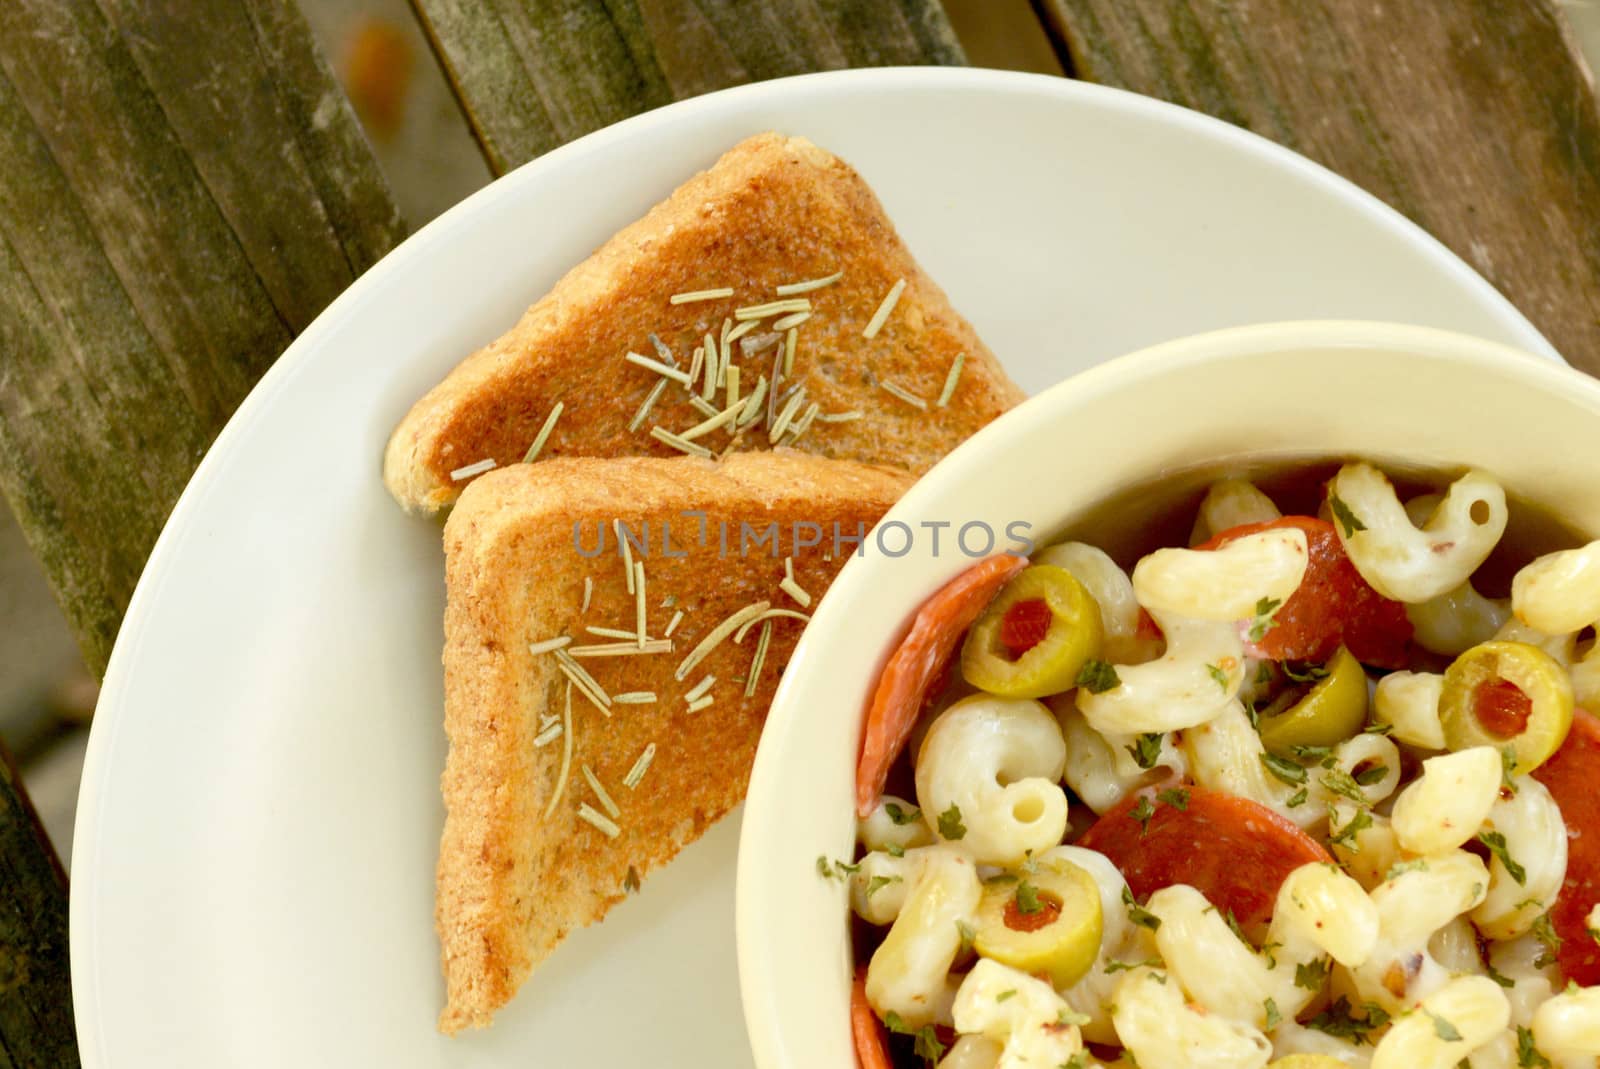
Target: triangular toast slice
{"points": [[773, 212], [531, 849]]}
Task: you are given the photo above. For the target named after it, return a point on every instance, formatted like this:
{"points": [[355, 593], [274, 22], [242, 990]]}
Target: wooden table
{"points": [[183, 187]]}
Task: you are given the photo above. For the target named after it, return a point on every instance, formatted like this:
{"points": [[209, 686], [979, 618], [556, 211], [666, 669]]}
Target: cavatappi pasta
{"points": [[1301, 794]]}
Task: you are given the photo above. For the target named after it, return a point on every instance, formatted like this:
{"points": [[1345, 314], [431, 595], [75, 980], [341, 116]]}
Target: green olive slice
{"points": [[1047, 921], [1035, 637], [1507, 694], [1334, 709]]}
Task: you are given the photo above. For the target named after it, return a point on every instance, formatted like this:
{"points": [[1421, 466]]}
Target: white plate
{"points": [[253, 877]]}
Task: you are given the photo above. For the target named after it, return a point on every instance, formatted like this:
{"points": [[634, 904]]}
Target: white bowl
{"points": [[1395, 394]]}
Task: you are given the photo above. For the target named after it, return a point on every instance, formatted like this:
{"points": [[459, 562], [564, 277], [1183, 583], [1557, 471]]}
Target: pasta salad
{"points": [[1298, 795]]}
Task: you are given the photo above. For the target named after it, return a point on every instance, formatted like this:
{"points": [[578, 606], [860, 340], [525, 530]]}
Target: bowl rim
{"points": [[760, 976]]}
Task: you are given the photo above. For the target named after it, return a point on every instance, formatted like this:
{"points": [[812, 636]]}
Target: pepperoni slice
{"points": [[1334, 604], [1573, 775], [872, 1042], [917, 663], [1234, 851]]}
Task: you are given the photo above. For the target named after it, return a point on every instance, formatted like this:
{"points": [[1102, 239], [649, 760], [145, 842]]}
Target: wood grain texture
{"points": [[182, 188], [36, 1026], [534, 74], [1475, 118]]}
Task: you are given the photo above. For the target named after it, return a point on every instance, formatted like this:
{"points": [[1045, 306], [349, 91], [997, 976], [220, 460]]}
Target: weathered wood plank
{"points": [[61, 301], [36, 1027], [1475, 118], [534, 75], [182, 189]]}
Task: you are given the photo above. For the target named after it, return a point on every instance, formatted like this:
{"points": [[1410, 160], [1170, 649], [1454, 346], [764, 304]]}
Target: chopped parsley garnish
{"points": [[1283, 769], [1028, 899], [894, 849], [927, 1045], [1496, 842], [1528, 1056], [1499, 977], [1508, 768], [1366, 777], [1121, 966], [1443, 1028], [1146, 749], [834, 870], [1176, 797], [630, 882], [902, 815], [1218, 675], [1400, 868], [1311, 673], [968, 935], [1346, 836], [878, 883], [1263, 673], [950, 826], [1274, 1018], [1312, 975], [1347, 519], [1316, 755], [1009, 992], [1340, 782], [1377, 729], [1137, 913], [1545, 932], [1080, 1060], [1297, 799], [1097, 677], [1142, 813], [1338, 1021], [1263, 622]]}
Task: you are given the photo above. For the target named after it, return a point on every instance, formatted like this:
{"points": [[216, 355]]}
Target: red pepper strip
{"points": [[919, 660], [1572, 775], [1025, 625], [872, 1041], [1148, 628], [1502, 708], [1234, 851], [1333, 605]]}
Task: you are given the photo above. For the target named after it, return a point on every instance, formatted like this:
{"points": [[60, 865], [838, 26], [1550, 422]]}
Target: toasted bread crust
{"points": [[773, 210], [512, 884]]}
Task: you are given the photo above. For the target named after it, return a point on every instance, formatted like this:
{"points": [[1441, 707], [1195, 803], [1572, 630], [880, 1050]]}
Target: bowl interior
{"points": [[1230, 401]]}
